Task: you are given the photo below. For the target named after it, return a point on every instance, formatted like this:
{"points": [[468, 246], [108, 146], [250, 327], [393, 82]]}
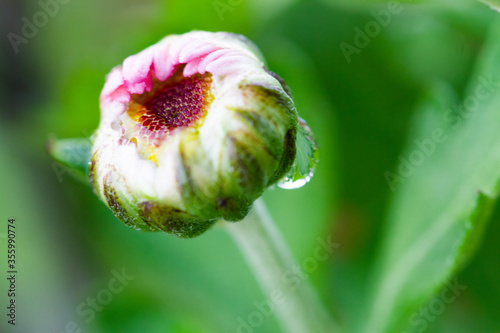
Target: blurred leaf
{"points": [[482, 278], [494, 4], [443, 200], [73, 154]]}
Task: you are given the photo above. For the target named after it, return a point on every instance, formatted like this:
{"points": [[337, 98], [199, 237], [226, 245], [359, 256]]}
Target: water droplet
{"points": [[307, 158]]}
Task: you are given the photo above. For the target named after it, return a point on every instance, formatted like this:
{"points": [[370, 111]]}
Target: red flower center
{"points": [[177, 103]]}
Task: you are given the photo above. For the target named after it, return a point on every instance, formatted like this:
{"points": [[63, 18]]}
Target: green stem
{"points": [[296, 305]]}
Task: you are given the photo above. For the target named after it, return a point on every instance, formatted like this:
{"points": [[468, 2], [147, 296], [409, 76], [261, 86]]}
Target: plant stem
{"points": [[295, 303]]}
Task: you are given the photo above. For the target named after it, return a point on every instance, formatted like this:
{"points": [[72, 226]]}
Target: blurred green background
{"points": [[366, 114]]}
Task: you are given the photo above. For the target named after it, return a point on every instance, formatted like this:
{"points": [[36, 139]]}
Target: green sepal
{"points": [[72, 155]]}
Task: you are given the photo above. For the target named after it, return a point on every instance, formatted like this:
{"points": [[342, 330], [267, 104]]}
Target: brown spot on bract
{"points": [[113, 200]]}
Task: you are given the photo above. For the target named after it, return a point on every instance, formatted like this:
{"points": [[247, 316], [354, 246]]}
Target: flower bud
{"points": [[193, 129]]}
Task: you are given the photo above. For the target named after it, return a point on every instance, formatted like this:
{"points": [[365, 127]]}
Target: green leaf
{"points": [[494, 4], [72, 155], [306, 159], [446, 187]]}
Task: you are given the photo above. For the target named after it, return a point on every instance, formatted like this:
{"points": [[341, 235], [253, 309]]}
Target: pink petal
{"points": [[162, 66], [140, 87], [176, 48], [120, 95], [202, 67], [195, 49], [114, 80], [192, 67], [136, 68], [228, 64], [201, 52]]}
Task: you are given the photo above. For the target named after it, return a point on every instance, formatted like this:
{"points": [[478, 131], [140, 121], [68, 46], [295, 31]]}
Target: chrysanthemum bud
{"points": [[193, 129]]}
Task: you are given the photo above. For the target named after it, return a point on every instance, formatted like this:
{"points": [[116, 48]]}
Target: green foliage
{"points": [[439, 212]]}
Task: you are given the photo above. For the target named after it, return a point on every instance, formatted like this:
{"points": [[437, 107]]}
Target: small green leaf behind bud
{"points": [[72, 155], [306, 159]]}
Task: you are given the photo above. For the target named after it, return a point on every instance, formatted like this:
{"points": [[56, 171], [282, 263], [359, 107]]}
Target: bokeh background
{"points": [[365, 113]]}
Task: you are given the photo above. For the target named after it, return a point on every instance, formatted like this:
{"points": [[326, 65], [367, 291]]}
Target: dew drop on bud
{"points": [[306, 159]]}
